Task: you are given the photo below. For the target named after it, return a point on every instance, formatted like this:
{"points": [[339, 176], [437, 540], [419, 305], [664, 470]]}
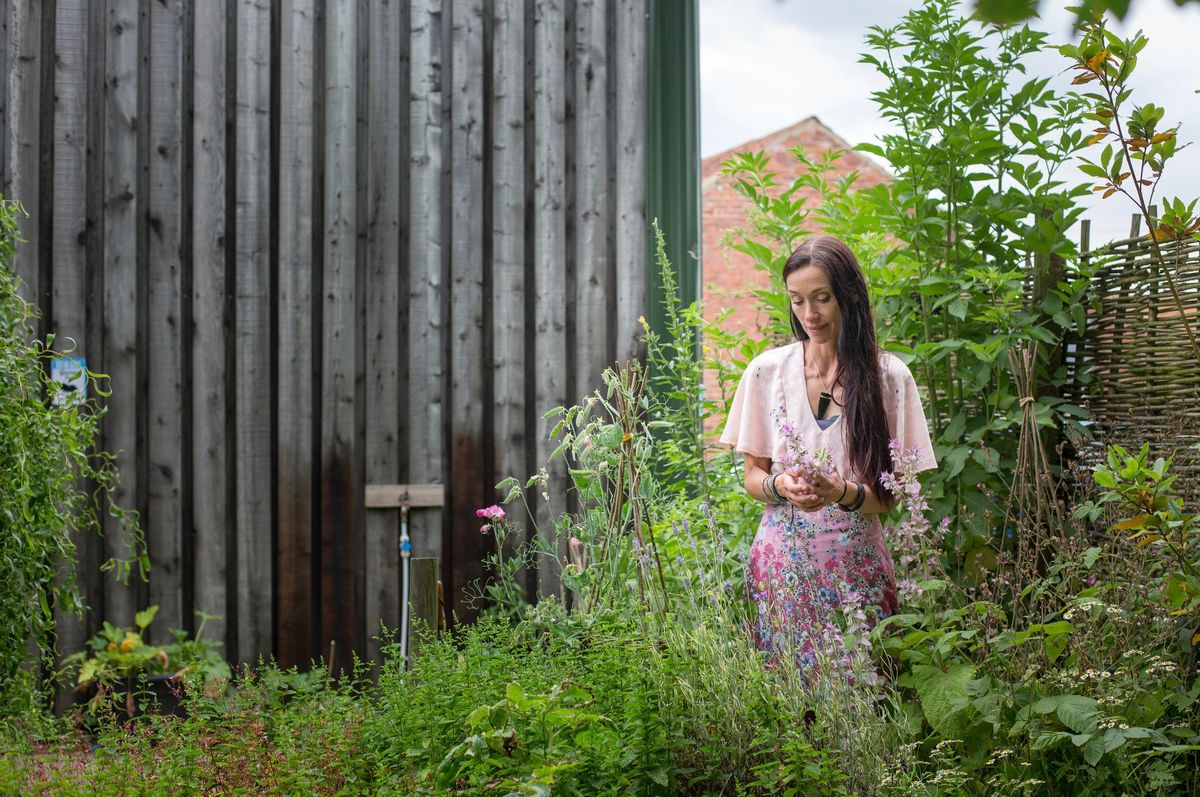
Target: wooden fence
{"points": [[1134, 368], [318, 244]]}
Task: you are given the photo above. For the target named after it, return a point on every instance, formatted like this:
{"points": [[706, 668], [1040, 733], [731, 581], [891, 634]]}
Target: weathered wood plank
{"points": [[252, 335], [384, 314], [426, 454], [211, 442], [295, 609], [164, 345], [93, 238], [394, 496], [24, 133], [341, 522], [470, 487], [549, 255], [630, 175], [423, 602], [5, 175], [591, 195], [508, 290], [68, 320], [120, 346]]}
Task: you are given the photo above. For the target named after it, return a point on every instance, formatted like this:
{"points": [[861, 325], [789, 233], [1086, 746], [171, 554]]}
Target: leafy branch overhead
{"points": [[1008, 11], [1137, 147]]}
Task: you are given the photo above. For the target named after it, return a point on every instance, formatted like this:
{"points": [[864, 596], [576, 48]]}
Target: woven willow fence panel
{"points": [[1140, 377]]}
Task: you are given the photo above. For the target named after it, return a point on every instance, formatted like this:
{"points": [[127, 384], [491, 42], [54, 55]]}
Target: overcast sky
{"points": [[766, 64]]}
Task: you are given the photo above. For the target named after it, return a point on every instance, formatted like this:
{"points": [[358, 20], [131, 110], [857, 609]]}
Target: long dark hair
{"points": [[857, 354]]}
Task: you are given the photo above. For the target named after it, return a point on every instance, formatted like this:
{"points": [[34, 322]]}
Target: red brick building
{"points": [[729, 277]]}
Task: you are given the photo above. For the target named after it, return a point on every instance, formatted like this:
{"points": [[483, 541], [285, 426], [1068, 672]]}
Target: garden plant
{"points": [[55, 483]]}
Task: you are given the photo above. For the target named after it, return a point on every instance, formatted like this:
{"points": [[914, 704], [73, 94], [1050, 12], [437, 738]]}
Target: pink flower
{"points": [[492, 512], [577, 553]]}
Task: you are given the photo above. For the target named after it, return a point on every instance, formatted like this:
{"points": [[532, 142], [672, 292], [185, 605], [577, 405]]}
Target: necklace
{"points": [[826, 396]]}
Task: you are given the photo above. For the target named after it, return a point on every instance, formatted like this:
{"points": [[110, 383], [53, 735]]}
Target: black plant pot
{"points": [[158, 694]]}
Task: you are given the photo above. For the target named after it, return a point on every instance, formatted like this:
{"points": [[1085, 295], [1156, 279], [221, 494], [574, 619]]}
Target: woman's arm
{"points": [[757, 469]]}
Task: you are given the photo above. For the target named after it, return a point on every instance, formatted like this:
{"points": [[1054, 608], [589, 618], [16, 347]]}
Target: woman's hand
{"points": [[819, 490], [798, 492]]}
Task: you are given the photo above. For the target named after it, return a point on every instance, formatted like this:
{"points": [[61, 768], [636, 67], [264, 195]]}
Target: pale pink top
{"points": [[773, 391]]}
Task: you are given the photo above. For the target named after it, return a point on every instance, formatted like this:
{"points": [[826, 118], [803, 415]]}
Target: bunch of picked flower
{"points": [[798, 460]]}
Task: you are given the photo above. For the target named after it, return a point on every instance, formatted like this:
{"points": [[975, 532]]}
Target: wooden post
{"points": [[423, 602]]}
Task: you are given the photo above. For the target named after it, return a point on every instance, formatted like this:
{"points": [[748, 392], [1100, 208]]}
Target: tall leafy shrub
{"points": [[983, 218], [54, 482]]}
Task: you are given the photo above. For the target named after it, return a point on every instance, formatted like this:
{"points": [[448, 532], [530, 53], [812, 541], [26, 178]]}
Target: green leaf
{"points": [[1093, 751], [952, 463], [958, 308], [514, 693], [1077, 712], [944, 697], [145, 617], [954, 430], [1048, 740]]}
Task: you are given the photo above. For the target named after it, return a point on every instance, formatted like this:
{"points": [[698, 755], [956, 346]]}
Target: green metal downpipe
{"points": [[673, 149]]}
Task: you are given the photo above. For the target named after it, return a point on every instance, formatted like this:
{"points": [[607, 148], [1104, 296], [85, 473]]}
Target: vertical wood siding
{"points": [[470, 479], [209, 334], [386, 80], [296, 456], [165, 334], [550, 263], [507, 288], [317, 245], [68, 311], [123, 201]]}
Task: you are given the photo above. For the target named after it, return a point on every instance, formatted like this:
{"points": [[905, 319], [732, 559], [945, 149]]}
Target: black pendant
{"points": [[823, 404]]}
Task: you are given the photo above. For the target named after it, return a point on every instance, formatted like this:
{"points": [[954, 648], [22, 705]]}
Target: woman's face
{"points": [[814, 304]]}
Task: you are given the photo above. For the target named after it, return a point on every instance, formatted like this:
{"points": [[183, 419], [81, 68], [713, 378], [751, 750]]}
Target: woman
{"points": [[819, 550]]}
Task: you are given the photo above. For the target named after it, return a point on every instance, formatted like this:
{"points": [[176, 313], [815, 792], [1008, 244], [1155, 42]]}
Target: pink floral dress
{"points": [[808, 570]]}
